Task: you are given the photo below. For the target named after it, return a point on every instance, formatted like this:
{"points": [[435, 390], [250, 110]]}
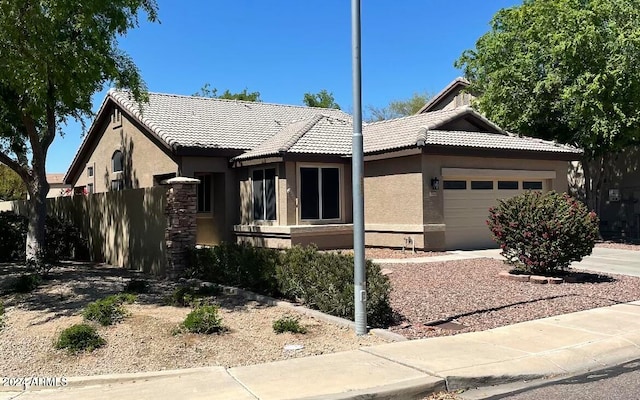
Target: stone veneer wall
{"points": [[180, 233]]}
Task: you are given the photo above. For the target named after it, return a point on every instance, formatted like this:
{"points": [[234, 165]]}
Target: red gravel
{"points": [[469, 292]]}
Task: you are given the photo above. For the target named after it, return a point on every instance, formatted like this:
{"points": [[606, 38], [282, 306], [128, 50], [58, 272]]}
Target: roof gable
{"points": [[448, 95]]}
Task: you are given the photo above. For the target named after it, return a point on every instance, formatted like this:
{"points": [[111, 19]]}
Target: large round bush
{"points": [[542, 233]]}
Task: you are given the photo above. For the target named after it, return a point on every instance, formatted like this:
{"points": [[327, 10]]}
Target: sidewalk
{"points": [[453, 255], [562, 345]]}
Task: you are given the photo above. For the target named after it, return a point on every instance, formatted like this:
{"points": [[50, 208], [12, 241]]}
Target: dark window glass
{"points": [[117, 184], [532, 185], [270, 193], [116, 161], [204, 193], [89, 171], [258, 194], [481, 185], [330, 193], [90, 188], [454, 185], [508, 185], [309, 193]]}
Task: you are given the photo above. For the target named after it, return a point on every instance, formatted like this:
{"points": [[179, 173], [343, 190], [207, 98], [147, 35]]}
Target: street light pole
{"points": [[359, 273]]}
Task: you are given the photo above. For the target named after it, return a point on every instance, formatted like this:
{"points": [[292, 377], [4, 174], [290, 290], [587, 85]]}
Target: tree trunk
{"points": [[36, 240]]}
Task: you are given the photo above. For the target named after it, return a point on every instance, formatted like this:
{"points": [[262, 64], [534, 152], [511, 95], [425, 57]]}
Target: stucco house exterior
{"points": [[277, 175]]}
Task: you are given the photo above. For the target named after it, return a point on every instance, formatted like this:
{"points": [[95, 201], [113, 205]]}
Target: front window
{"points": [[117, 184], [116, 161], [320, 193], [204, 193], [264, 194]]}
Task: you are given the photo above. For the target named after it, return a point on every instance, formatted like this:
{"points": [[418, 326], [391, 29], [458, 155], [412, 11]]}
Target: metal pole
{"points": [[359, 273]]}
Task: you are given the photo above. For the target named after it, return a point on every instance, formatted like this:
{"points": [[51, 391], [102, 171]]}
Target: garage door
{"points": [[466, 206]]}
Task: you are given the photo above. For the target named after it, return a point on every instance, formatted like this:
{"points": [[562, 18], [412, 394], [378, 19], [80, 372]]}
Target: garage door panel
{"points": [[466, 212]]}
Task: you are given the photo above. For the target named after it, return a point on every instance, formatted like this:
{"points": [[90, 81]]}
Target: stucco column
{"points": [[180, 233]]}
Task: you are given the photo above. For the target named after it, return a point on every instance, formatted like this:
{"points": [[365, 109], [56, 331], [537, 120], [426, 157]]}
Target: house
{"points": [[278, 175]]}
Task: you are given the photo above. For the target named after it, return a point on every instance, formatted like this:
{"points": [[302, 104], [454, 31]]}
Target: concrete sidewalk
{"points": [[562, 345]]}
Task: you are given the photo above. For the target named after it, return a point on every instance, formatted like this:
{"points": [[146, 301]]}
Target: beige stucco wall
{"points": [[124, 228], [143, 158], [432, 166], [217, 225]]}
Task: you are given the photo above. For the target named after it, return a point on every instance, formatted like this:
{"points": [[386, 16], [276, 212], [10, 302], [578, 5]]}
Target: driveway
{"points": [[614, 261]]}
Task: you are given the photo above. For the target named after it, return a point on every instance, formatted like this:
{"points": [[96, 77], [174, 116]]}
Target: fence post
{"points": [[180, 233]]}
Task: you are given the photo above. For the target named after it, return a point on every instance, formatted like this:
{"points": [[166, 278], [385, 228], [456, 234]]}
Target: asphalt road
{"points": [[616, 383]]}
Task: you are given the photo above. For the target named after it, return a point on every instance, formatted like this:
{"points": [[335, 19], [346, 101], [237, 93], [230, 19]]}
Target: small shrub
{"points": [[26, 283], [209, 290], [1, 315], [109, 310], [324, 281], [136, 286], [288, 324], [204, 319], [244, 266], [180, 297], [79, 337], [543, 233]]}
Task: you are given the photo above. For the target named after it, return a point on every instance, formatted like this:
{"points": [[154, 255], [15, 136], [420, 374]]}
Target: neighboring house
{"points": [[277, 175], [57, 187]]}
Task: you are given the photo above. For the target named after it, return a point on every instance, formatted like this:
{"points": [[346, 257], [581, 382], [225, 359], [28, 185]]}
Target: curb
{"points": [[411, 389]]}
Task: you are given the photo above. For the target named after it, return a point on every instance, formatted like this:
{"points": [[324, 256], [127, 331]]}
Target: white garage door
{"points": [[466, 206]]}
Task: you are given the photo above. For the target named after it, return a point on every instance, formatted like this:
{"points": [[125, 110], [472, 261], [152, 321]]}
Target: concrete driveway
{"points": [[614, 261]]}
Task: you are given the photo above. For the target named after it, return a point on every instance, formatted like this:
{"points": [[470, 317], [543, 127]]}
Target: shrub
{"points": [[180, 297], [204, 319], [1, 315], [543, 233], [109, 310], [325, 281], [288, 324], [63, 239], [244, 266], [26, 283], [79, 337], [136, 286]]}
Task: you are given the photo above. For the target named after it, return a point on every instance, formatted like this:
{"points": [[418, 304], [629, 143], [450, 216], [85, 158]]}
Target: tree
{"points": [[208, 91], [564, 70], [55, 55], [11, 185], [399, 108], [322, 99]]}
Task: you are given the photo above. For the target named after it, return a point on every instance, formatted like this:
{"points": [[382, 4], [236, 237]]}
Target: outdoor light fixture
{"points": [[435, 183]]}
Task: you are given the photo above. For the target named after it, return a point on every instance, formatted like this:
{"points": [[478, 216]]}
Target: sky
{"points": [[285, 48]]}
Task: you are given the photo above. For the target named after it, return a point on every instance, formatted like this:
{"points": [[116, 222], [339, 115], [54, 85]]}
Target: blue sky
{"points": [[285, 48]]}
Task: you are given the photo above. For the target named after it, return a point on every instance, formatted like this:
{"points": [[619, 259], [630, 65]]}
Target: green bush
{"points": [[288, 324], [63, 239], [136, 286], [26, 283], [79, 337], [244, 266], [180, 297], [543, 233], [204, 319], [109, 310], [324, 281]]}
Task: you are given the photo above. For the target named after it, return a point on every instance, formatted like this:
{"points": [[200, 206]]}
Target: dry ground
{"points": [[143, 341]]}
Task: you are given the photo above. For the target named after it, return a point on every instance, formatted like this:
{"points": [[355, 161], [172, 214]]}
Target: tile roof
{"points": [[187, 121], [495, 141], [320, 134], [458, 82], [407, 131], [55, 178]]}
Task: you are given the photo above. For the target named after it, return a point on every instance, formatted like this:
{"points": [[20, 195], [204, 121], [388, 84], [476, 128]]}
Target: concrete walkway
{"points": [[555, 346]]}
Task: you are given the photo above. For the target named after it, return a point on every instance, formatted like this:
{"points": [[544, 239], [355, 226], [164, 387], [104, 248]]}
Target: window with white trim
{"points": [[264, 194], [319, 193]]}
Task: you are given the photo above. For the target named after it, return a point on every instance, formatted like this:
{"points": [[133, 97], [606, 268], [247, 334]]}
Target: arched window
{"points": [[116, 161]]}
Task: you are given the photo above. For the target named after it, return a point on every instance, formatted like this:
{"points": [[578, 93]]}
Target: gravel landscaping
{"points": [[620, 246], [144, 340], [373, 253], [470, 293]]}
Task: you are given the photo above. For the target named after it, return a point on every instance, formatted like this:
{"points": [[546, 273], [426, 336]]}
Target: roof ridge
{"points": [[298, 135], [232, 100], [430, 113]]}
